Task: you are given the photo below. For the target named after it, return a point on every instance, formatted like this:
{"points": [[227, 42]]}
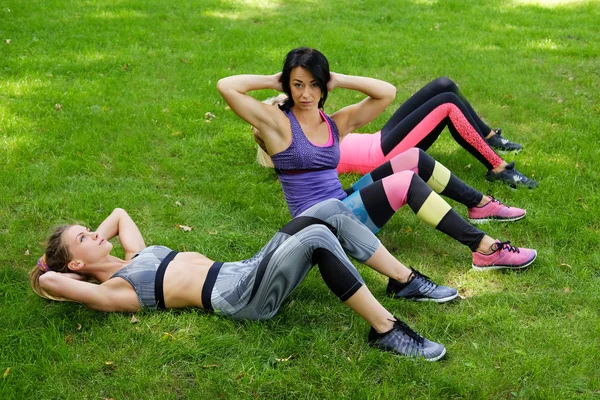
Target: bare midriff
{"points": [[184, 280]]}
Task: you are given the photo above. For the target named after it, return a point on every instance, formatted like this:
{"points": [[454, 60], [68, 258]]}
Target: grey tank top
{"points": [[141, 273]]}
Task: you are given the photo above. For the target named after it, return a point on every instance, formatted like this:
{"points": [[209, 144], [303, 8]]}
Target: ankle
{"points": [[384, 326], [489, 135], [484, 201], [500, 167], [486, 246]]}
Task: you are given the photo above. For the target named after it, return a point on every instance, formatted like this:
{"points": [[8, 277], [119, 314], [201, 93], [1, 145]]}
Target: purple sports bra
{"points": [[307, 171]]}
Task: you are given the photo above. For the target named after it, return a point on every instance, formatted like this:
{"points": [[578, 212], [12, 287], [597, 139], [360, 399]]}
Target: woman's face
{"points": [[86, 245], [306, 92]]}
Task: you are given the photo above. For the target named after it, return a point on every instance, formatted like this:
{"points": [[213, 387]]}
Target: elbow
{"points": [[222, 85], [48, 281], [391, 93]]}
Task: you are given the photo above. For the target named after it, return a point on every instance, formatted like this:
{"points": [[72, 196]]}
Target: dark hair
{"points": [[56, 257], [310, 59]]}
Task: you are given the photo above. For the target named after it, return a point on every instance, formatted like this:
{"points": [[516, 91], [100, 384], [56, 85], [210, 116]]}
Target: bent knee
{"points": [[446, 84]]}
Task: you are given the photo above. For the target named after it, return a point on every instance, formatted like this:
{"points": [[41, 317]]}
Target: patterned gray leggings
{"points": [[256, 288]]}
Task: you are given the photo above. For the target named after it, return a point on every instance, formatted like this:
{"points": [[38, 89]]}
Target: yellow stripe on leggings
{"points": [[439, 178], [434, 208]]}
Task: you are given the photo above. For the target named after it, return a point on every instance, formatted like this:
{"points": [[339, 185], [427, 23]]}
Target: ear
{"points": [[75, 265]]}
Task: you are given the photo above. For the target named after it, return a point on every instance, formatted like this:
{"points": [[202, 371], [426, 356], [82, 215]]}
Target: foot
{"points": [[420, 288], [502, 145], [404, 341], [504, 256], [512, 177], [495, 210]]}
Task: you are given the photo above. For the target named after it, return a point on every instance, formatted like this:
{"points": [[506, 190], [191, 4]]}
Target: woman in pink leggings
{"points": [[418, 123]]}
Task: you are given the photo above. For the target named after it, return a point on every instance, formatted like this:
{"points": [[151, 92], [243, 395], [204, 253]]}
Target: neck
{"points": [[104, 269], [307, 117]]}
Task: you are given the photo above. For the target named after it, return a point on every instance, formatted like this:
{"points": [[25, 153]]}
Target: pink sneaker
{"points": [[495, 210], [504, 256]]}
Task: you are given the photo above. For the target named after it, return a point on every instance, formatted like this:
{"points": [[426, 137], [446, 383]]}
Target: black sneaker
{"points": [[512, 177], [404, 341], [420, 288], [501, 144]]}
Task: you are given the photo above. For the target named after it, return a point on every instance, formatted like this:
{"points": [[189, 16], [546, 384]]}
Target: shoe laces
{"points": [[495, 200], [506, 246], [408, 331], [425, 277]]}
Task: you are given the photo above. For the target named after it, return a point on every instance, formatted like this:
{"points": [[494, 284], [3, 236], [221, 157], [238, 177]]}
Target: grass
{"points": [[102, 105]]}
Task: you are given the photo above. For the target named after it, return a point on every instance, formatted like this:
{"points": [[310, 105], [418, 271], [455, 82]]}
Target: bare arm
{"points": [[380, 95], [119, 223], [265, 118], [105, 297]]}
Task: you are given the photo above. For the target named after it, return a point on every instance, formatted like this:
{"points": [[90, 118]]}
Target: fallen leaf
{"points": [[178, 203], [240, 375], [167, 335], [166, 110], [468, 166], [566, 290], [6, 372], [227, 108], [68, 339], [125, 67], [212, 232], [183, 248], [210, 366], [108, 362], [184, 228], [78, 327], [285, 359], [8, 41], [209, 115], [27, 252], [183, 60], [134, 320], [207, 121], [570, 78], [58, 107]]}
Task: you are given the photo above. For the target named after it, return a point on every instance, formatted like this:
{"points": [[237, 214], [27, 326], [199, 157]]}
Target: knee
{"points": [[400, 179], [446, 84], [319, 232], [414, 153]]}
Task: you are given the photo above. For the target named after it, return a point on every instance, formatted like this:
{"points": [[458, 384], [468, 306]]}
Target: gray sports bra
{"points": [[141, 274]]}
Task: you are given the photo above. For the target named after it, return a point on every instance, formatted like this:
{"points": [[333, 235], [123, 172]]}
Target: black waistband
{"points": [[160, 276], [209, 283]]}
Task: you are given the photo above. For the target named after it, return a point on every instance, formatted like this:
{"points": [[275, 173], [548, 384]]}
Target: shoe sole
{"points": [[513, 267], [495, 219], [442, 300], [392, 350], [436, 358], [502, 151], [510, 184]]}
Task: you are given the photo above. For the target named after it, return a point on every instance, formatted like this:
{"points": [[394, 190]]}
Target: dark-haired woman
{"points": [[303, 144], [157, 277]]}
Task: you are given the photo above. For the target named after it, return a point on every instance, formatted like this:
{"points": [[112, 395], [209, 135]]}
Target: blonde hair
{"points": [[262, 157], [56, 258]]}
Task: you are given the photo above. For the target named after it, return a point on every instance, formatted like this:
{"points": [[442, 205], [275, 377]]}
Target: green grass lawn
{"points": [[103, 103]]}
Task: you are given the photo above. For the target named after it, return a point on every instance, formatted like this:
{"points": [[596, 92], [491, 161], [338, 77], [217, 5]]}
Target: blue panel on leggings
{"points": [[363, 182], [355, 203]]}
